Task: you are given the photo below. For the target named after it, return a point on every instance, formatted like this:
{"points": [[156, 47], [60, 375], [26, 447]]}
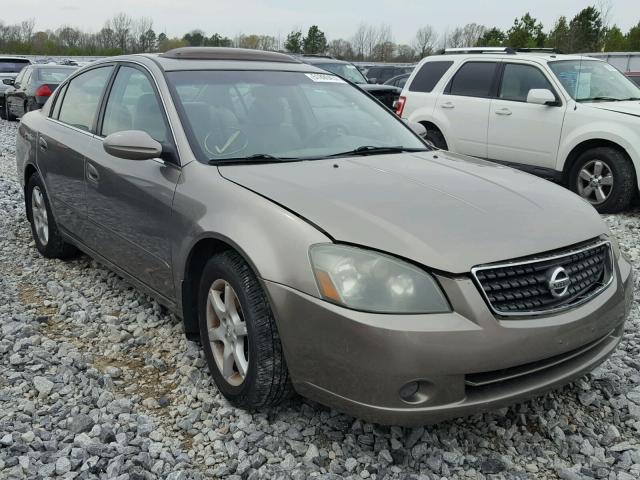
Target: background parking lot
{"points": [[97, 381]]}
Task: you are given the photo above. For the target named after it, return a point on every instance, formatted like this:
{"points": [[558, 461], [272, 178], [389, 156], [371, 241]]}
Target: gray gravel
{"points": [[97, 381]]}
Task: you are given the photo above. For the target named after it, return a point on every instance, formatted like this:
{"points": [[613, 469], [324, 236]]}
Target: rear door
{"points": [[462, 110], [129, 202], [521, 132], [63, 143]]}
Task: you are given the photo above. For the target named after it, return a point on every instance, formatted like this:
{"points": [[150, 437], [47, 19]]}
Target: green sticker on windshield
{"points": [[322, 77]]}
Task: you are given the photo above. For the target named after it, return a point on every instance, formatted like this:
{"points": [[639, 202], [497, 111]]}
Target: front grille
{"points": [[525, 287]]}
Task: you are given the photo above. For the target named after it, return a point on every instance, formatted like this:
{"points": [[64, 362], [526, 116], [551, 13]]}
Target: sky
{"points": [[337, 18]]}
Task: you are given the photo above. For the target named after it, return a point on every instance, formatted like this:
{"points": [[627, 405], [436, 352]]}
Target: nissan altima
{"points": [[313, 242]]}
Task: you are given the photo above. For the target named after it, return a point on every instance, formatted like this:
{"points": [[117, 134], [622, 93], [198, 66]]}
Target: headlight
{"points": [[374, 282]]}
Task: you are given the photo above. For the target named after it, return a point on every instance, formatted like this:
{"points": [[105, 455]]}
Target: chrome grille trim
{"points": [[608, 272]]}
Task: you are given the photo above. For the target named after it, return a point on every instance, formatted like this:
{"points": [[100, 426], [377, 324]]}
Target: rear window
{"points": [[474, 79], [428, 76], [12, 66], [54, 75]]}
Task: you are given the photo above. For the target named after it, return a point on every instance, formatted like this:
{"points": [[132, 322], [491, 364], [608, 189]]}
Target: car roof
{"points": [[218, 58], [5, 58]]}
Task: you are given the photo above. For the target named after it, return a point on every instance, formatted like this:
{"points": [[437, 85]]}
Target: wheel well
{"points": [[432, 126], [28, 173], [201, 252], [588, 145]]}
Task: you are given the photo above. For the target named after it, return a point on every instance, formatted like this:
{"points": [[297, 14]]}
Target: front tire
{"points": [[239, 334], [44, 228], [605, 178]]}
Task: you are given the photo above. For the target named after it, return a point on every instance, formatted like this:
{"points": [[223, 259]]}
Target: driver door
{"points": [[129, 202]]}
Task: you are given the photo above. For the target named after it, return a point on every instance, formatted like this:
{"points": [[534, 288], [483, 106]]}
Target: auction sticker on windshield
{"points": [[321, 77]]}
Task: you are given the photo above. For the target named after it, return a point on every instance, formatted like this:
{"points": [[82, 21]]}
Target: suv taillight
{"points": [[400, 105], [43, 91]]}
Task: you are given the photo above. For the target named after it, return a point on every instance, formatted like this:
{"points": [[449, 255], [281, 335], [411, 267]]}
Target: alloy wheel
{"points": [[227, 332], [39, 214], [595, 182]]}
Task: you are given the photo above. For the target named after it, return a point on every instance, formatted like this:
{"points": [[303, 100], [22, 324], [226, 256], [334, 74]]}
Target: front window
{"points": [[345, 70], [12, 66], [593, 80], [287, 115]]}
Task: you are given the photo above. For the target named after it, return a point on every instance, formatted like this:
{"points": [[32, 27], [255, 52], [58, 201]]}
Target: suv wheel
{"points": [[44, 229], [605, 178], [239, 334]]}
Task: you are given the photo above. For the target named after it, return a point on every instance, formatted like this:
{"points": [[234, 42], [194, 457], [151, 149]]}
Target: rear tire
{"points": [[235, 316], [44, 229], [605, 178], [9, 116], [3, 110], [435, 136]]}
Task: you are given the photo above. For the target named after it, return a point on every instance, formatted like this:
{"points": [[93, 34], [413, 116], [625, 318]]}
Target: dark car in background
{"points": [[387, 94], [32, 87], [399, 80], [10, 66], [634, 77], [382, 73]]}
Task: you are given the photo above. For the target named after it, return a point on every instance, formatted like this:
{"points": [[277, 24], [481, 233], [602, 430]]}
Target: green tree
{"points": [[587, 31], [194, 38], [614, 40], [493, 37], [217, 40], [633, 39], [526, 32], [315, 41], [559, 37], [293, 43]]}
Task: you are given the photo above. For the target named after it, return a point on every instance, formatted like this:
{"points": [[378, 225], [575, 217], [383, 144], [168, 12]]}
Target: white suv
{"points": [[572, 119]]}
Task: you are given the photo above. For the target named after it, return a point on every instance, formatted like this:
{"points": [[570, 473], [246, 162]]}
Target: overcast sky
{"points": [[337, 18]]}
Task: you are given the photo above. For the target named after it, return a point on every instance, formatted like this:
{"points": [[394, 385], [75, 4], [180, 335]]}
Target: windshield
{"points": [[286, 115], [54, 75], [345, 70], [593, 80], [12, 66]]}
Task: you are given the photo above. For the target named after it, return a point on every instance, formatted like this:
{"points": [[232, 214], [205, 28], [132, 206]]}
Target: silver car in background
{"points": [[312, 241]]}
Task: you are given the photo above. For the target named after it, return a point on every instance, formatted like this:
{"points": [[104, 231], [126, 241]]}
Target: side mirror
{"points": [[8, 81], [541, 96], [132, 145], [418, 129]]}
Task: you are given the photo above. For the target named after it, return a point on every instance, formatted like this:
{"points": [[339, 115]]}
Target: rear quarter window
{"points": [[429, 75], [473, 79]]}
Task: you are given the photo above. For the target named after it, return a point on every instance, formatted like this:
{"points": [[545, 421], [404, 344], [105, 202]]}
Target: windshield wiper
{"points": [[606, 99], [255, 158], [377, 150]]}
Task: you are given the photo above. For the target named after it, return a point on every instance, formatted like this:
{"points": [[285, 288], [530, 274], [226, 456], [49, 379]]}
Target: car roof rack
{"points": [[505, 50], [466, 50], [227, 53]]}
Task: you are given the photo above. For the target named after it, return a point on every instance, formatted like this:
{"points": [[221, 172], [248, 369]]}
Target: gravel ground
{"points": [[97, 381]]}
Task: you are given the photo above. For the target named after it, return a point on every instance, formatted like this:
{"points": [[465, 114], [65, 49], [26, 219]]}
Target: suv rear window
{"points": [[428, 76], [474, 79], [13, 65]]}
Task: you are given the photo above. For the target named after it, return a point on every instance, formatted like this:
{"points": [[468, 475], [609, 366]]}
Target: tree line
{"points": [[588, 31]]}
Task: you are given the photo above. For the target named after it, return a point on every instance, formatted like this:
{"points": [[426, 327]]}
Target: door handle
{"points": [[448, 105], [503, 111], [92, 173], [43, 144]]}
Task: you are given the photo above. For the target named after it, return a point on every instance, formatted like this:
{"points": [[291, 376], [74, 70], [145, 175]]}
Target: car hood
{"points": [[628, 108], [442, 210]]}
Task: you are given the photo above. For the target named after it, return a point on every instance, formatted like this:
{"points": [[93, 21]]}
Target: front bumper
{"points": [[464, 362]]}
